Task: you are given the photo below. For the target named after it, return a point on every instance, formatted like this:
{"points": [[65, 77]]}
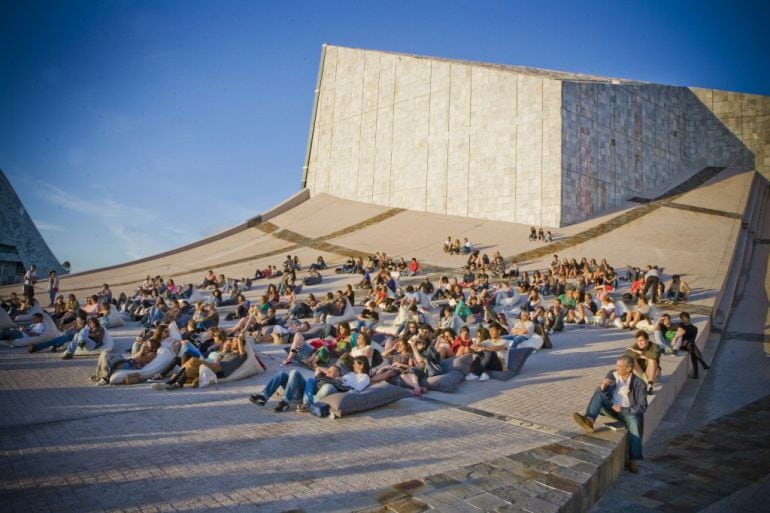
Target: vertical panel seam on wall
{"points": [[427, 145], [468, 163], [542, 144], [392, 128], [376, 123], [360, 127], [516, 152], [448, 125], [333, 124]]}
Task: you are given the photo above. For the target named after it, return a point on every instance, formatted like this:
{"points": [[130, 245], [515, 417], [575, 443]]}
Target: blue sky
{"points": [[132, 127]]}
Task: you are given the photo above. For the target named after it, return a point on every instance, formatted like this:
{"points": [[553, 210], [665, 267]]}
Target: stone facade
{"points": [[21, 245], [437, 136], [515, 144]]}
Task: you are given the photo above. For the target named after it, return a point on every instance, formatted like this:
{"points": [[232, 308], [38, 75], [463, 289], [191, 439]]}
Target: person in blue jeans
{"points": [[64, 338], [293, 384], [623, 396]]}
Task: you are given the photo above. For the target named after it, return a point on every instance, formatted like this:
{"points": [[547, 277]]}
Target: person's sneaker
{"points": [[31, 349], [303, 408], [94, 378], [632, 466], [471, 377], [281, 406], [102, 382], [484, 377], [258, 399], [584, 422], [158, 386], [67, 356], [54, 349]]}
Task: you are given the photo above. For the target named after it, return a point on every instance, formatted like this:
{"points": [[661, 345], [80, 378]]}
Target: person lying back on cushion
{"points": [[35, 329]]}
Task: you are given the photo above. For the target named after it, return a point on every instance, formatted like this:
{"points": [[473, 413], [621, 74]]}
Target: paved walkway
{"points": [[66, 445]]}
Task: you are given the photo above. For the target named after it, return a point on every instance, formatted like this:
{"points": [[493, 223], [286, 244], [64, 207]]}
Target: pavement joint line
{"points": [[526, 424], [703, 210]]}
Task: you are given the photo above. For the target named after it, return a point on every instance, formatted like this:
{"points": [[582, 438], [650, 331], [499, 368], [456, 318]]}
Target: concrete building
{"points": [[21, 244], [513, 143]]}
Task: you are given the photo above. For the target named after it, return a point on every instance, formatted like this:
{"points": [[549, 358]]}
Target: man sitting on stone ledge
{"points": [[623, 396]]}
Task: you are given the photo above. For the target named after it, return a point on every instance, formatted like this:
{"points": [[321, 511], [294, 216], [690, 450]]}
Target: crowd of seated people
{"points": [[489, 310]]}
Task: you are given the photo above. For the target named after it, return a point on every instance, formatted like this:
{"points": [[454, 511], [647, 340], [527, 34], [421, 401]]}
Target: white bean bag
{"points": [[645, 325], [27, 317], [424, 301], [106, 346], [51, 332], [160, 363], [510, 301], [535, 342], [5, 320], [251, 366], [621, 308], [114, 319], [397, 321], [348, 315]]}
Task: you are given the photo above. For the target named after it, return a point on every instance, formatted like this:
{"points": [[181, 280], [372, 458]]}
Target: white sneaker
{"points": [[484, 377], [471, 377]]}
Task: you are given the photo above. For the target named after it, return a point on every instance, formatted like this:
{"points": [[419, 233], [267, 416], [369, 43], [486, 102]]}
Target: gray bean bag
{"points": [[107, 345], [516, 359], [374, 396], [5, 320], [455, 370]]}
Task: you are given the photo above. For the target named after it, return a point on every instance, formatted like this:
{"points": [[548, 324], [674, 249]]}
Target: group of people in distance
{"points": [[491, 309], [540, 235]]}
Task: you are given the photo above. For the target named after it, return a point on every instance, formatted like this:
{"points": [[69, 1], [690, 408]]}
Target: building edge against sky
{"points": [[511, 143], [21, 244]]}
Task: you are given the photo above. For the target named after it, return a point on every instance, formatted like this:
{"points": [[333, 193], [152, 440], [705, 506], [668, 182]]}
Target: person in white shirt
{"points": [[35, 329], [30, 278], [623, 396], [491, 354], [521, 331]]}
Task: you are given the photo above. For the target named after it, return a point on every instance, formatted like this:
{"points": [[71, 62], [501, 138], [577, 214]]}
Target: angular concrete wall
{"points": [[437, 136], [624, 140], [619, 140], [515, 144], [17, 231], [726, 128]]}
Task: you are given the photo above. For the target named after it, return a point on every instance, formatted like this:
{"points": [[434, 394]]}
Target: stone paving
{"points": [[66, 445]]}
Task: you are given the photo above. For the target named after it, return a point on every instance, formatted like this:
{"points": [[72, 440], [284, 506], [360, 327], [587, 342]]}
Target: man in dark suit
{"points": [[623, 396]]}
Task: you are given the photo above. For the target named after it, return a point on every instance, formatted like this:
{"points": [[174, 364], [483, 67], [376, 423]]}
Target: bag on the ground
{"points": [[206, 377], [320, 409]]}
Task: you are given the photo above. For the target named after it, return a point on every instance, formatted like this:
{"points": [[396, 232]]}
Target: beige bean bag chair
{"points": [[5, 320], [51, 332]]}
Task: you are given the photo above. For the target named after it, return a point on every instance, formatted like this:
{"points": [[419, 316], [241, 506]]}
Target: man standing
{"points": [[651, 281], [30, 278], [623, 396]]}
